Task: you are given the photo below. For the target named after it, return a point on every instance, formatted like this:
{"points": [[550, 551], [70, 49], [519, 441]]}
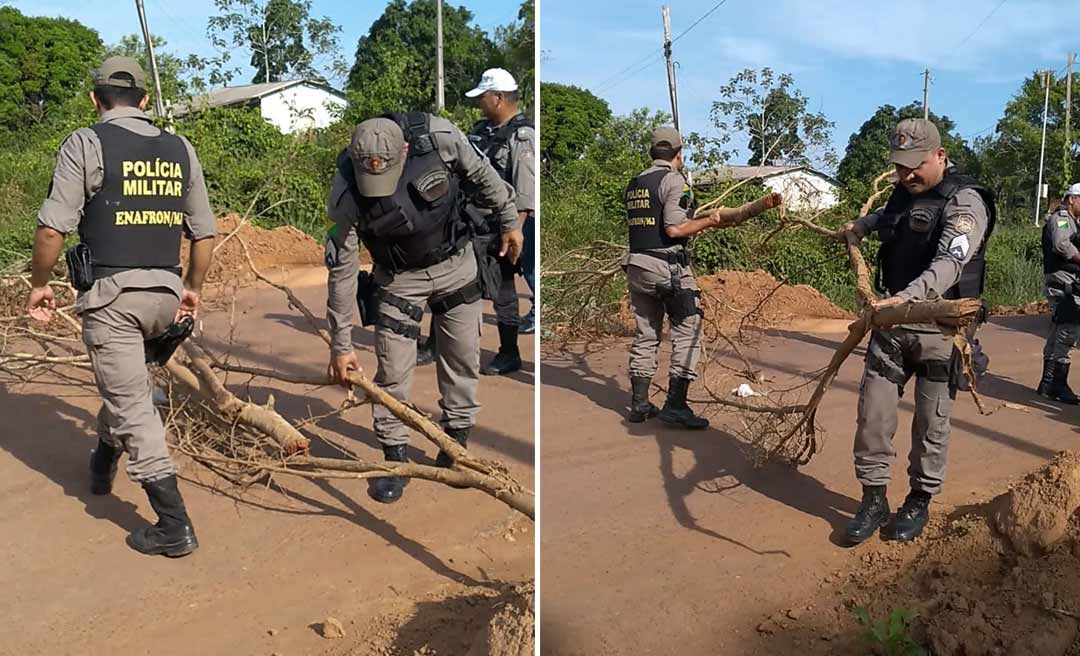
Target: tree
{"points": [[771, 113], [867, 152], [516, 44], [571, 118], [44, 62], [170, 67], [284, 40], [399, 49]]}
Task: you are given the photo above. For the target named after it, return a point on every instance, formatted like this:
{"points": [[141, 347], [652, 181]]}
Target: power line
{"points": [[978, 27], [695, 23]]}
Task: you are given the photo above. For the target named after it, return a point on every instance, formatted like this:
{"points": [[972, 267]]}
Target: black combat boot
{"points": [[172, 535], [1061, 390], [1046, 383], [425, 351], [872, 515], [389, 489], [103, 461], [675, 410], [911, 517], [461, 436], [640, 406], [508, 359]]}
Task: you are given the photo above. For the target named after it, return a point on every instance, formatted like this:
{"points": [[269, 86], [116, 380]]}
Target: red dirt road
{"points": [[657, 541], [271, 568]]}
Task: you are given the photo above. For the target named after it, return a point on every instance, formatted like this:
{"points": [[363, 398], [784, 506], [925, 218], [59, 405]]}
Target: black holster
{"points": [[679, 303], [488, 266], [1067, 310], [80, 265], [161, 348], [366, 299]]}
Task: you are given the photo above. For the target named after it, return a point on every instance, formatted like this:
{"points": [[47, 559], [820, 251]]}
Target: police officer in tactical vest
{"points": [[131, 191], [933, 231], [660, 220], [1061, 266], [399, 190], [507, 138]]}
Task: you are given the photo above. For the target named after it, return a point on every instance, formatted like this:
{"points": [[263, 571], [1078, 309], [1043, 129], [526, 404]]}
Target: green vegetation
{"points": [[892, 636]]}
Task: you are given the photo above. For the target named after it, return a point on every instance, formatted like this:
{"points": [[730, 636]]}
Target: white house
{"points": [[290, 106], [803, 188]]}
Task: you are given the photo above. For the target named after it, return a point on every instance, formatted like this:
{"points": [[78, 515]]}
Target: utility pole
{"points": [[159, 105], [1068, 119], [926, 94], [1042, 148], [670, 67], [440, 97]]}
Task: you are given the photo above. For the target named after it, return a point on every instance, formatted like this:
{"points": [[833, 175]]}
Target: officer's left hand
{"points": [[189, 305], [512, 243], [883, 303], [41, 304]]}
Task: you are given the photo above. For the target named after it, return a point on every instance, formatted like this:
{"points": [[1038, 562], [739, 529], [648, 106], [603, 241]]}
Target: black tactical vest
{"points": [[135, 221], [906, 253], [1052, 260], [420, 224], [490, 140], [645, 213]]}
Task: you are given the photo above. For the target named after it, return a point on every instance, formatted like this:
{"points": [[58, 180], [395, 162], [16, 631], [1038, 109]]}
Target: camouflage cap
{"points": [[912, 140], [376, 151], [666, 136], [120, 72]]}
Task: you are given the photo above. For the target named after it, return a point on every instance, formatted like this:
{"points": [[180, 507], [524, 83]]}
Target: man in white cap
{"points": [[1061, 266], [506, 136], [398, 189]]}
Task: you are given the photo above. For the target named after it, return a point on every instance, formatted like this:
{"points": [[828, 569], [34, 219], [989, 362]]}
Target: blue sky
{"points": [[847, 57], [183, 24]]}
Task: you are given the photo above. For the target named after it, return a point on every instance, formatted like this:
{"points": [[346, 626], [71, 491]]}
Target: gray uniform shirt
{"points": [[966, 219], [521, 150], [671, 191], [79, 173], [487, 190], [1062, 227]]}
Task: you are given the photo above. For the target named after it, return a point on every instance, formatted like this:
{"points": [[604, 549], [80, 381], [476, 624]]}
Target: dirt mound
{"points": [[281, 247], [999, 578], [1038, 307], [755, 292]]}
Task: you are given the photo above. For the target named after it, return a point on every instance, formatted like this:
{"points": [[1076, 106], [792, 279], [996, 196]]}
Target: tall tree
{"points": [[571, 120], [516, 45], [400, 48], [44, 62], [284, 40]]}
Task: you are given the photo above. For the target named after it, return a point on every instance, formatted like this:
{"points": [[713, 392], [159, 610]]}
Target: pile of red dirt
{"points": [[286, 247], [998, 578]]}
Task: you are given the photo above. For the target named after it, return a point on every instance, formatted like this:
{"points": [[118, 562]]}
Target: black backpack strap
{"points": [[416, 126]]}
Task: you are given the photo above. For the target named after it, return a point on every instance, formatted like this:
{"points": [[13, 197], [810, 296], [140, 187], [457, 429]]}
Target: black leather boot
{"points": [[640, 406], [461, 436], [103, 460], [675, 410], [1046, 383], [172, 535], [390, 488], [872, 514], [1061, 391], [508, 359], [425, 351], [911, 518]]}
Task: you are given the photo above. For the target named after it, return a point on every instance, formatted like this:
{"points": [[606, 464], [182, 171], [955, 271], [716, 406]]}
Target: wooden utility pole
{"points": [[440, 94], [159, 103], [670, 67], [1042, 148], [926, 94], [1068, 119]]}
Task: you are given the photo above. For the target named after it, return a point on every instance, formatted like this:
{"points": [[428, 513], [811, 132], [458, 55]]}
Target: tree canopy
{"points": [[570, 120]]}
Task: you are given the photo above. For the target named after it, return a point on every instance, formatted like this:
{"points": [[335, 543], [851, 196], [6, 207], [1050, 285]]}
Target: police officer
{"points": [[398, 189], [1061, 265], [131, 191], [933, 232], [507, 137], [660, 219]]}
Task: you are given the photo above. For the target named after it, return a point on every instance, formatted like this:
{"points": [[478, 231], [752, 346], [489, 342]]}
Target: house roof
{"points": [[738, 173], [245, 94]]}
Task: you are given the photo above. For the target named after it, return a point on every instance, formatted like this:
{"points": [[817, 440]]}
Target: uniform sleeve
{"points": [[1061, 232], [966, 220], [199, 220], [62, 209], [671, 188], [869, 223], [525, 169], [343, 266], [486, 188]]}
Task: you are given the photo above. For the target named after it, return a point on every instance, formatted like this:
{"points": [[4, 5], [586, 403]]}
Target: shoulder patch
{"points": [[964, 223], [1062, 223], [959, 247]]}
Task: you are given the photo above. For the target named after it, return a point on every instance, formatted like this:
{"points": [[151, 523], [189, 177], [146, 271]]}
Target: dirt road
{"points": [[272, 567], [657, 541]]}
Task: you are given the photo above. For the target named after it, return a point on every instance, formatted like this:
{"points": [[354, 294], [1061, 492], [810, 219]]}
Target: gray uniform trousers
{"points": [[114, 336], [1063, 335], [879, 395], [506, 299], [457, 339], [649, 314]]}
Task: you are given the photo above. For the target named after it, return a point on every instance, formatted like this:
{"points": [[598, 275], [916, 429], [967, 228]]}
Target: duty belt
{"points": [[680, 256]]}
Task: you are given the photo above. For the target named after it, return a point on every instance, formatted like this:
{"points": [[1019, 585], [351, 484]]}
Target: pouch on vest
{"points": [[389, 220], [366, 301], [80, 264], [161, 348]]}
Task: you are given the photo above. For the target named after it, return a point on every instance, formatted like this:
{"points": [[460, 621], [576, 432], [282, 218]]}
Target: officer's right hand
{"points": [[41, 304], [189, 305], [854, 228], [512, 244], [341, 366]]}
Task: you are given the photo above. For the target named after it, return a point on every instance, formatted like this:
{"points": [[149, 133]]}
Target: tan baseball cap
{"points": [[376, 152], [912, 140], [666, 136], [109, 74]]}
